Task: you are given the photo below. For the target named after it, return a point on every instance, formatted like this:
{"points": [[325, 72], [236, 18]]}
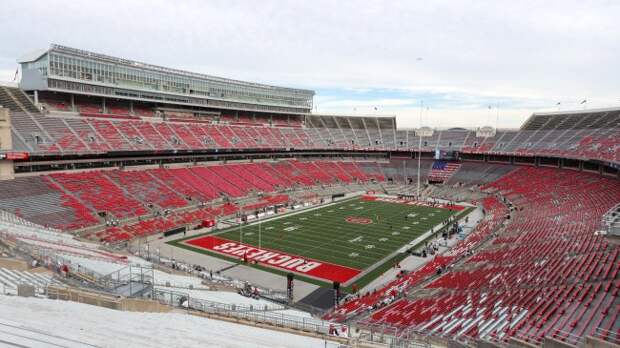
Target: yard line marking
{"points": [[326, 238]]}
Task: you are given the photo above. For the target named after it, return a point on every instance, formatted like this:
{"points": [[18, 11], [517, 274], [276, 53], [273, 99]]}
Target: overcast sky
{"points": [[456, 58]]}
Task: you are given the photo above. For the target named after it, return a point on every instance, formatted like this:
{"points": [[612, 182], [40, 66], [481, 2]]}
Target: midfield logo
{"points": [[358, 220]]}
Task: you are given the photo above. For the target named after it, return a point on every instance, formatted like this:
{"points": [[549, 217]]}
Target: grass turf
{"points": [[324, 234]]}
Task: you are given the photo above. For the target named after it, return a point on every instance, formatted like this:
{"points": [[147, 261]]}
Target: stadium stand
{"points": [[293, 174], [75, 200], [546, 274], [47, 134], [10, 279], [561, 136], [364, 303], [477, 173], [160, 224], [39, 200], [372, 170], [96, 190], [222, 180], [147, 189], [186, 184]]}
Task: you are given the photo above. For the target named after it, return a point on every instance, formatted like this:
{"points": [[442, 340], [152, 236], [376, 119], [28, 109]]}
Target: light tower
{"points": [[421, 132]]}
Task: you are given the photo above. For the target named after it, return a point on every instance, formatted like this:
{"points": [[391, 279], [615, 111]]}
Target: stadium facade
{"points": [[70, 70]]}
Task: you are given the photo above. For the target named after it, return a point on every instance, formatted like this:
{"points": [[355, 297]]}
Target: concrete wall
{"points": [[486, 344], [593, 342], [6, 141], [6, 144], [111, 302], [40, 270], [141, 305], [514, 342], [25, 290], [456, 344], [13, 264], [553, 343], [7, 171]]}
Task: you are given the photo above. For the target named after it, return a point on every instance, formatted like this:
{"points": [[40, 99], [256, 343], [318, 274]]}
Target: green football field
{"points": [[324, 234], [354, 233]]}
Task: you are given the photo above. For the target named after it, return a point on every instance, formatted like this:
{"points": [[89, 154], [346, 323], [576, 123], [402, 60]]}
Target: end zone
{"points": [[388, 199], [276, 259]]}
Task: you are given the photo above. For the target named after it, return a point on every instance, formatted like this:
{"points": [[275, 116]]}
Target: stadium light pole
{"points": [[496, 115], [419, 148], [241, 227]]}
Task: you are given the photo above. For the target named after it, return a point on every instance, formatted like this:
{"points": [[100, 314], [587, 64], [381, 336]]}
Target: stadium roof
{"points": [[32, 56], [588, 118]]}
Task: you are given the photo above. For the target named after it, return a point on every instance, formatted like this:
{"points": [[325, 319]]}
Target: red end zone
{"points": [[417, 203], [276, 259]]}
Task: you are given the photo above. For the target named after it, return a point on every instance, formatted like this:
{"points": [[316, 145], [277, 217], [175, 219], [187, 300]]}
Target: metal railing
{"points": [[395, 337], [207, 276], [256, 314], [607, 335]]}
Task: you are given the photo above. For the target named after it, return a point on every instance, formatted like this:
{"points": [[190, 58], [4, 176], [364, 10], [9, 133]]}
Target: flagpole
{"points": [[489, 113]]}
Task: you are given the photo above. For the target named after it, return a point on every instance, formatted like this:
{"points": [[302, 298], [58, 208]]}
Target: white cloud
{"points": [[331, 103], [7, 75], [531, 53]]}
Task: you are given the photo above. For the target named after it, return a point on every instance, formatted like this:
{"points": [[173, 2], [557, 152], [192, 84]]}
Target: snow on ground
{"points": [[43, 322], [22, 230], [91, 258], [296, 313], [181, 283], [161, 278], [230, 298], [100, 266], [226, 297]]}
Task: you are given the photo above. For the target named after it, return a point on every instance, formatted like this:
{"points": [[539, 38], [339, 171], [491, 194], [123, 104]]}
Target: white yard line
{"points": [[293, 213]]}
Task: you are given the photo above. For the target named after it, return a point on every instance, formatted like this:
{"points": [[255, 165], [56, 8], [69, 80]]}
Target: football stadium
{"points": [[156, 205]]}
